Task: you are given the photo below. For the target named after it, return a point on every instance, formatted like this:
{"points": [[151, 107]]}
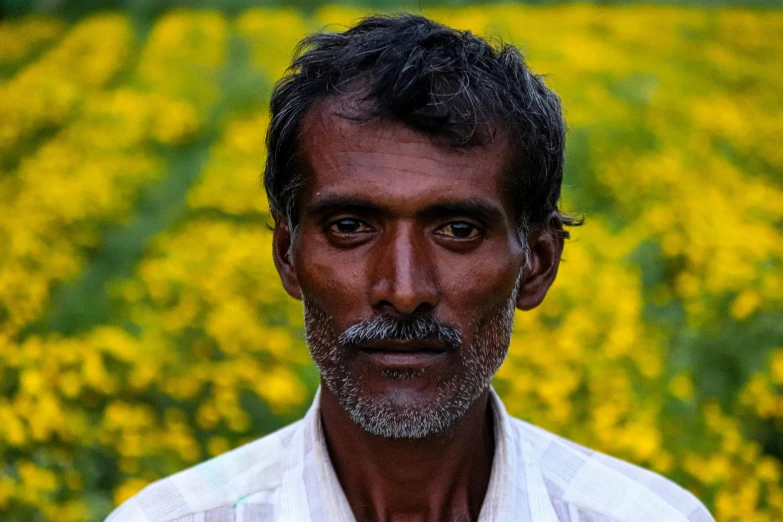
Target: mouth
{"points": [[392, 353]]}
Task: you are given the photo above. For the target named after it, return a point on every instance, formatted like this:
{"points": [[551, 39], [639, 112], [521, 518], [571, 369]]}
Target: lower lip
{"points": [[403, 359]]}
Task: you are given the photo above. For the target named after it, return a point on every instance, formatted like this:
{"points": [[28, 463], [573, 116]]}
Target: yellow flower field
{"points": [[143, 328]]}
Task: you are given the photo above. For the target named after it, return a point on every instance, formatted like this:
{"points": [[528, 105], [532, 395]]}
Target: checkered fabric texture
{"points": [[536, 477]]}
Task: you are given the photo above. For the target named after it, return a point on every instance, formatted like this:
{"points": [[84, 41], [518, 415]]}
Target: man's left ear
{"points": [[546, 247]]}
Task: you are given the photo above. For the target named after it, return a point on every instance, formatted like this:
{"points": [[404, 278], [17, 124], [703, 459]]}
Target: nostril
{"points": [[384, 306], [423, 309]]}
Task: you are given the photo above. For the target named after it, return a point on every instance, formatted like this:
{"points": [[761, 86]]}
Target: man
{"points": [[413, 175]]}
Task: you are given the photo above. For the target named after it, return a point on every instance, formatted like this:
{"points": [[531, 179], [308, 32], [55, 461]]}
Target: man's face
{"points": [[408, 263]]}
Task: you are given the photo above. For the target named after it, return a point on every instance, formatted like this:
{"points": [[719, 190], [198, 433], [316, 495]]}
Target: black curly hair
{"points": [[449, 84]]}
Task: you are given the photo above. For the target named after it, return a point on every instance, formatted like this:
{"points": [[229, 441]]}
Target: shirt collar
{"points": [[516, 490]]}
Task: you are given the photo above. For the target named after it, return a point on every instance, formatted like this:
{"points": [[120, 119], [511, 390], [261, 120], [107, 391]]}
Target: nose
{"points": [[404, 279]]}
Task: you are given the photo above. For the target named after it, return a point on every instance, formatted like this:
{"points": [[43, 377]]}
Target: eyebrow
{"points": [[476, 208], [333, 204]]}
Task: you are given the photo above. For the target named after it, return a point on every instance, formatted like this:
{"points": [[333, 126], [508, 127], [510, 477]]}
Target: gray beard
{"points": [[479, 361]]}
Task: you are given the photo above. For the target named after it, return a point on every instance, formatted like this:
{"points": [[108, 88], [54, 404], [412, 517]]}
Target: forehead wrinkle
{"points": [[414, 155], [396, 169], [378, 130]]}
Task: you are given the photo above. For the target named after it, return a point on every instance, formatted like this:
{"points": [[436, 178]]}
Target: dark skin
{"points": [[392, 223]]}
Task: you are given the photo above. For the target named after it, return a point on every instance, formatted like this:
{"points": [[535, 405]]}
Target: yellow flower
{"points": [[127, 489]]}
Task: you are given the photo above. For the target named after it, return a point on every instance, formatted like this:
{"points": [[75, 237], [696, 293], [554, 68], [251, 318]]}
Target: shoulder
{"points": [[252, 471], [585, 483]]}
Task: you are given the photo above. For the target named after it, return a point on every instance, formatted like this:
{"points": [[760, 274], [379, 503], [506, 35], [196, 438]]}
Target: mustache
{"points": [[418, 328]]}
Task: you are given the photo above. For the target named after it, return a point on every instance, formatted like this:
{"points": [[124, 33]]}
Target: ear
{"points": [[546, 247], [281, 252]]}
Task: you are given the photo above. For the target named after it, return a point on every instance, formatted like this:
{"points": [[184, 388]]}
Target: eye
{"points": [[459, 230], [348, 226]]}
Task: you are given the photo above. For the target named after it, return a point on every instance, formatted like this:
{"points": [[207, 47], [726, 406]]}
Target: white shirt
{"points": [[536, 477]]}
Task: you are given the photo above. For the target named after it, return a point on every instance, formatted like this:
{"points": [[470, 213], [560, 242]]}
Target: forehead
{"points": [[384, 159]]}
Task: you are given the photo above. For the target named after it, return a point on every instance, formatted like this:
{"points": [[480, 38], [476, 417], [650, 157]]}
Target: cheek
{"points": [[471, 290], [336, 286]]}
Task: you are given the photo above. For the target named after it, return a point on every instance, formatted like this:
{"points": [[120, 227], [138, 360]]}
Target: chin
{"points": [[405, 404]]}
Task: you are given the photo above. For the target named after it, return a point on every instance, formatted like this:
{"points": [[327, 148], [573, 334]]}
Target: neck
{"points": [[444, 477]]}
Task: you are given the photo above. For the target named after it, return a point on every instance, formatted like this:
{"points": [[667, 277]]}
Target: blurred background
{"points": [[143, 328]]}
